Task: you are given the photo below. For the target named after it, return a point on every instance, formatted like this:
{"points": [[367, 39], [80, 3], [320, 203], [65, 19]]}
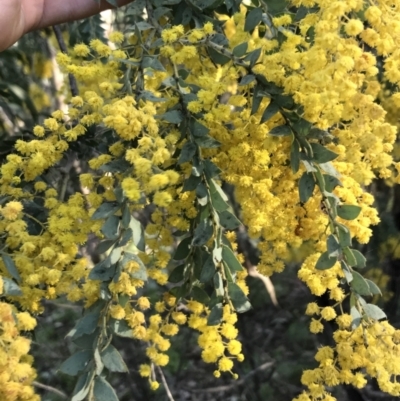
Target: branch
{"points": [[72, 81], [164, 381], [51, 389]]}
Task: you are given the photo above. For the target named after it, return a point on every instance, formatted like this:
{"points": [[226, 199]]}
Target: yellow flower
{"points": [[145, 370], [312, 309], [143, 303], [38, 131], [328, 313], [154, 385], [225, 364], [81, 50], [354, 27], [116, 37], [316, 326], [170, 329], [179, 317], [25, 321], [234, 347], [117, 312], [11, 210]]}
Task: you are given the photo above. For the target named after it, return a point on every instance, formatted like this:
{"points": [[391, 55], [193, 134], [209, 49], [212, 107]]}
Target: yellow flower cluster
{"points": [[16, 372], [370, 348], [218, 343]]}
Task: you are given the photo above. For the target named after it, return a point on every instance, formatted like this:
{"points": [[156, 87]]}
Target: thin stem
{"points": [[164, 381], [72, 81], [50, 389]]}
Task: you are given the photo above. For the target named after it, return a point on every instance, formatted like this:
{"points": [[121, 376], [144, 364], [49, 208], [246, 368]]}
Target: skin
{"points": [[18, 17]]}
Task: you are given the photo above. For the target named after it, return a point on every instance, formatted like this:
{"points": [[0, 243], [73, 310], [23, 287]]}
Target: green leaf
{"points": [[257, 98], [112, 360], [302, 126], [203, 232], [269, 112], [218, 196], [344, 236], [215, 315], [306, 187], [187, 153], [191, 183], [329, 169], [228, 220], [347, 272], [86, 325], [281, 130], [295, 156], [374, 312], [199, 295], [87, 341], [321, 181], [322, 154], [104, 246], [103, 391], [207, 142], [198, 129], [333, 246], [11, 268], [102, 271], [151, 97], [285, 101], [210, 169], [110, 227], [82, 386], [125, 238], [137, 234], [121, 328], [126, 216], [202, 198], [348, 212], [325, 262], [230, 259], [173, 116], [331, 182], [253, 18], [360, 258], [208, 270], [356, 315], [76, 363], [253, 57], [350, 258], [375, 290], [247, 79], [183, 249], [240, 50], [239, 300], [177, 274], [360, 285], [10, 288], [217, 57], [277, 6], [105, 210]]}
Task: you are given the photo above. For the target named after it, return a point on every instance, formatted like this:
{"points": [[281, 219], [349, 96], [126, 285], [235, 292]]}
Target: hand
{"points": [[18, 17]]}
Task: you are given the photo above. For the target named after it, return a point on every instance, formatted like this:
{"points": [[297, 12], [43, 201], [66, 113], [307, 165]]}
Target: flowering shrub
{"points": [[279, 100]]}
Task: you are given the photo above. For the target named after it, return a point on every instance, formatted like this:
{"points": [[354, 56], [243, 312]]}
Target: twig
{"points": [[164, 381], [51, 389], [72, 81]]}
